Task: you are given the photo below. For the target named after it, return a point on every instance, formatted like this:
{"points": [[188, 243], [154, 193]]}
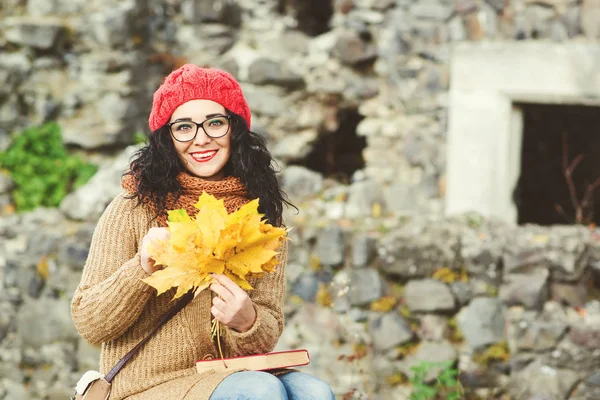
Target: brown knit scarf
{"points": [[231, 190]]}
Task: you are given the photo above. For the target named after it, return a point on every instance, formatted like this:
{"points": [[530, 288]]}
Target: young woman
{"points": [[200, 141]]}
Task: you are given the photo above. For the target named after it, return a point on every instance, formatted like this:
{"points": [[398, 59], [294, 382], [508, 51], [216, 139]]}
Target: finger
{"points": [[163, 234], [219, 304], [218, 314], [223, 292], [237, 291]]}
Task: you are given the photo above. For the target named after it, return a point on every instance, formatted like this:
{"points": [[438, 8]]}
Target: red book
{"points": [[257, 362]]}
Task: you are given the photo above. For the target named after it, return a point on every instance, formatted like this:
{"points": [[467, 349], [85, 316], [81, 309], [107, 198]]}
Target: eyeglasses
{"points": [[215, 127]]}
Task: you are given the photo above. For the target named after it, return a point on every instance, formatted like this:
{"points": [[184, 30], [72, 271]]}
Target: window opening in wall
{"points": [[312, 15], [338, 154], [559, 181]]}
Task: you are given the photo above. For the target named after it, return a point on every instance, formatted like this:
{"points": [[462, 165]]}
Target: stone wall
{"points": [[516, 307]]}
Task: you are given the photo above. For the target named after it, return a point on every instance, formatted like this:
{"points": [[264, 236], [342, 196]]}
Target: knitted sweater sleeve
{"points": [[268, 297], [111, 296]]}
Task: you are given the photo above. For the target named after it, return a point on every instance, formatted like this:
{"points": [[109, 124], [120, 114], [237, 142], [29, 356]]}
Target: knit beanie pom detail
{"points": [[191, 82]]}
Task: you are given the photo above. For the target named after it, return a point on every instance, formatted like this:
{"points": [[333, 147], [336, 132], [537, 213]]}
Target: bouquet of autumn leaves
{"points": [[240, 245]]}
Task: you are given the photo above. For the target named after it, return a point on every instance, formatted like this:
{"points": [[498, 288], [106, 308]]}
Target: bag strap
{"points": [[170, 314]]}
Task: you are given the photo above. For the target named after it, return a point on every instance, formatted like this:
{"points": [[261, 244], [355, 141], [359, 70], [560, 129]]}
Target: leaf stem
{"points": [[217, 331]]}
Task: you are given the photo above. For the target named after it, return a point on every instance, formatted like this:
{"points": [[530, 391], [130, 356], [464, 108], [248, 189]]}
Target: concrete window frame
{"points": [[485, 127]]}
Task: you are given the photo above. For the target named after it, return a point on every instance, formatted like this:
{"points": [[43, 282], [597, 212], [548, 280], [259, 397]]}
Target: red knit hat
{"points": [[191, 82]]}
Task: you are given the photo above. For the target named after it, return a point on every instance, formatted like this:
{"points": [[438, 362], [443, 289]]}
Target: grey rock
{"points": [[73, 253], [589, 17], [526, 330], [462, 292], [100, 130], [63, 280], [585, 391], [362, 88], [109, 26], [9, 112], [362, 196], [18, 63], [401, 198], [45, 321], [585, 334], [202, 11], [40, 33], [482, 322], [563, 249], [351, 49], [89, 201], [358, 314], [593, 379], [43, 216], [530, 290], [264, 71], [300, 183], [431, 352], [388, 330], [330, 246], [428, 295], [204, 42], [6, 183], [431, 9], [558, 31], [266, 101], [363, 250], [574, 295], [15, 390], [365, 286], [88, 356], [538, 379], [570, 355], [294, 147], [36, 284], [306, 287], [38, 8], [414, 250], [433, 327], [7, 321], [457, 30], [483, 244], [571, 18]]}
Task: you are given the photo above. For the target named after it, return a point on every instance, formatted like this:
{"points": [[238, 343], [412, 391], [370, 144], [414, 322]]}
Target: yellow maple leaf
{"points": [[210, 220], [167, 278], [240, 245], [180, 228]]}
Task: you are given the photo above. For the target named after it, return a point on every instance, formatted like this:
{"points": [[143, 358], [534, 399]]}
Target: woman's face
{"points": [[204, 156]]}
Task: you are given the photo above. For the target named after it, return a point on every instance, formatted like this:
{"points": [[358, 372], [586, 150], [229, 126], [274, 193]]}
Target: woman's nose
{"points": [[201, 137]]}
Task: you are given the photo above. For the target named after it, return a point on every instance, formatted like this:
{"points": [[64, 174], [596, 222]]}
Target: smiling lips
{"points": [[204, 156]]}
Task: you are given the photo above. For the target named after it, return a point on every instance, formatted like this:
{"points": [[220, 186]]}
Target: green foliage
{"points": [[446, 385], [42, 169], [139, 138]]}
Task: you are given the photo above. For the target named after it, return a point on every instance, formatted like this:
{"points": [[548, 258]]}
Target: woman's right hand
{"points": [[153, 234]]}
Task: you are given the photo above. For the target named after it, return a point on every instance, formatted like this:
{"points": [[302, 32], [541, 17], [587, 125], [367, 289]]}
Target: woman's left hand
{"points": [[232, 307]]}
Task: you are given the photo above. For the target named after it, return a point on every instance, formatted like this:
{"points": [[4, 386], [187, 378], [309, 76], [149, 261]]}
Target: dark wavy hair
{"points": [[156, 166]]}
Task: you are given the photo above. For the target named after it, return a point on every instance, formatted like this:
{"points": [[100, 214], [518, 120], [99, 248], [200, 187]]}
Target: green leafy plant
{"points": [[446, 385], [42, 169], [139, 138]]}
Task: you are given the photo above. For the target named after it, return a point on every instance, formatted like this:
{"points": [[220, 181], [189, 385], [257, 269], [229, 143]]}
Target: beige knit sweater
{"points": [[113, 307]]}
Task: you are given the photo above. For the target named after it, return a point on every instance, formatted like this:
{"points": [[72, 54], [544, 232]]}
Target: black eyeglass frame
{"points": [[198, 125]]}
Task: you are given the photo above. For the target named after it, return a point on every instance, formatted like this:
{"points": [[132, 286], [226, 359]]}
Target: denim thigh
{"points": [[250, 385], [301, 386]]}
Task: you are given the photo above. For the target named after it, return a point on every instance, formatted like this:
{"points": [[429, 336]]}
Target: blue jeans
{"points": [[255, 385]]}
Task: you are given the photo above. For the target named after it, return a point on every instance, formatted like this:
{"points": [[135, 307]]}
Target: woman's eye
{"points": [[215, 122], [183, 127]]}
